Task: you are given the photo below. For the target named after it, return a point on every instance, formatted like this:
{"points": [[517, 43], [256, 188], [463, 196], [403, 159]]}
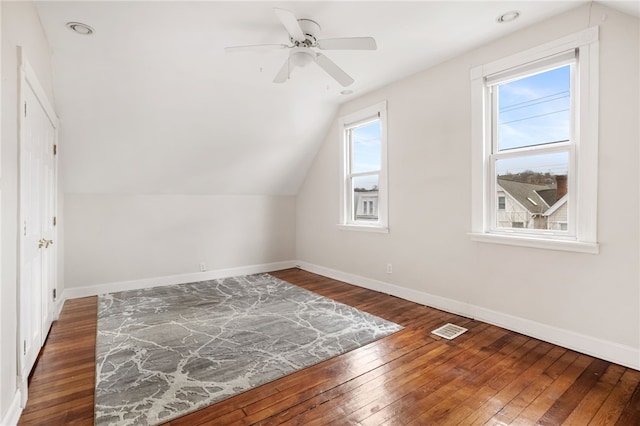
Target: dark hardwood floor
{"points": [[486, 376]]}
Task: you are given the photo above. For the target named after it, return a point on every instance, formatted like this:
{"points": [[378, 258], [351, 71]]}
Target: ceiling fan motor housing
{"points": [[311, 30]]}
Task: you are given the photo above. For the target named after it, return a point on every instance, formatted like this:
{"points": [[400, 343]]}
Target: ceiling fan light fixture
{"points": [[301, 57], [80, 28]]}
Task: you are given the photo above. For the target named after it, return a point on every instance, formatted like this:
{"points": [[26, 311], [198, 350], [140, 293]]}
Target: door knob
{"points": [[44, 243]]}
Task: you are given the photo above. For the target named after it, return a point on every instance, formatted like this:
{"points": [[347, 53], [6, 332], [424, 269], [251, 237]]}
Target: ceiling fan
{"points": [[303, 35]]}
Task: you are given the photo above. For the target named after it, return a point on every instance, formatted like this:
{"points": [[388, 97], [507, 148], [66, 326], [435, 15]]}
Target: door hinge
{"points": [[24, 347], [55, 221], [25, 109], [55, 149], [55, 294], [25, 228]]}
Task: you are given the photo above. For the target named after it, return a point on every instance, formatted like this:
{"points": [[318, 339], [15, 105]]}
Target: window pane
{"points": [[535, 110], [365, 148], [534, 189], [501, 203], [365, 197]]}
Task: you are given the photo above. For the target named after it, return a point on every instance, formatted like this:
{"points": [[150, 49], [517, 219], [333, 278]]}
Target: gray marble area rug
{"points": [[167, 351]]}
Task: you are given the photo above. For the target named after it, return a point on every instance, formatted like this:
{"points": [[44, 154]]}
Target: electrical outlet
{"points": [[203, 267], [389, 268]]}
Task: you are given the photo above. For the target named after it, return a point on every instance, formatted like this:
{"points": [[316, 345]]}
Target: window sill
{"points": [[542, 243], [365, 228]]}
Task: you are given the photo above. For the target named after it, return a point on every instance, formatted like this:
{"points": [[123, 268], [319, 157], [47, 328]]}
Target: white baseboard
{"points": [[12, 415], [627, 356], [94, 290]]}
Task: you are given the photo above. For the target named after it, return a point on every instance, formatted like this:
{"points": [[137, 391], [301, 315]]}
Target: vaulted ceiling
{"points": [[151, 103]]}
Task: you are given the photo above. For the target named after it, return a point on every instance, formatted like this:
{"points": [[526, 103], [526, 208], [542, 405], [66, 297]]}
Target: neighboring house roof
{"points": [[556, 206], [529, 195], [549, 195]]}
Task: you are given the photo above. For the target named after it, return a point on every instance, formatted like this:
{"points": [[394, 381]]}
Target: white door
{"points": [[48, 228], [37, 211]]}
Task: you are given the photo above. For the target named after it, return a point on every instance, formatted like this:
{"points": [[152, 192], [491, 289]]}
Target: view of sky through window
{"points": [[366, 154], [535, 110]]}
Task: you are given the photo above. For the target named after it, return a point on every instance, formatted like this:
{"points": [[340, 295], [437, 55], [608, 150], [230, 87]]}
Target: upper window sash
{"points": [[492, 87], [349, 138]]}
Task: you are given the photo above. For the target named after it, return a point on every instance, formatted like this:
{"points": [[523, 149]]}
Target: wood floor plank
{"points": [[631, 413], [406, 359], [563, 406], [436, 404], [612, 408], [485, 388], [592, 402], [372, 380], [534, 388], [431, 377], [486, 376], [520, 381], [533, 412], [454, 407]]}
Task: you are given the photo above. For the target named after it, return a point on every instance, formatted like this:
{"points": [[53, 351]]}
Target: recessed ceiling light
{"points": [[346, 92], [80, 28], [508, 17]]}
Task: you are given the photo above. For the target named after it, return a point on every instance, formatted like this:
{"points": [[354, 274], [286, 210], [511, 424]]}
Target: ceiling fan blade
{"points": [[333, 70], [290, 22], [285, 71], [248, 47], [351, 43]]}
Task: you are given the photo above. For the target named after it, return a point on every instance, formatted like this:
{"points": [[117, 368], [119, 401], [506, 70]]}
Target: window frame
{"points": [[372, 113], [583, 148]]}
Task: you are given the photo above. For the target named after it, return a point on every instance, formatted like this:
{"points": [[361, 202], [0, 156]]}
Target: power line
{"points": [[513, 107], [533, 143], [535, 116], [534, 99]]}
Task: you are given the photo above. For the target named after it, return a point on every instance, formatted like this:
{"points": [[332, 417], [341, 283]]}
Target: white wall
{"points": [[580, 300], [20, 26], [114, 238]]}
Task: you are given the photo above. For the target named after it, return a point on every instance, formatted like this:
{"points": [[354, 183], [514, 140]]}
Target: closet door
{"points": [[37, 217]]}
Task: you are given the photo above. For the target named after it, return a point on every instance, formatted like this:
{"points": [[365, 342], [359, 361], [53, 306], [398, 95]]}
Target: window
{"points": [[502, 202], [534, 153], [531, 143], [364, 159], [368, 211]]}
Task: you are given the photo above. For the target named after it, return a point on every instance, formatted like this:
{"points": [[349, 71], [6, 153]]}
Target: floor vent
{"points": [[449, 331]]}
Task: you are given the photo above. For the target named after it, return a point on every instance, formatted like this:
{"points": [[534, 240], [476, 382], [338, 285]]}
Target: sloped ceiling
{"points": [[152, 104]]}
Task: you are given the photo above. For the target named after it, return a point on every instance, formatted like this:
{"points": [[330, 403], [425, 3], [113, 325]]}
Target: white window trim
{"points": [[586, 146], [380, 110]]}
